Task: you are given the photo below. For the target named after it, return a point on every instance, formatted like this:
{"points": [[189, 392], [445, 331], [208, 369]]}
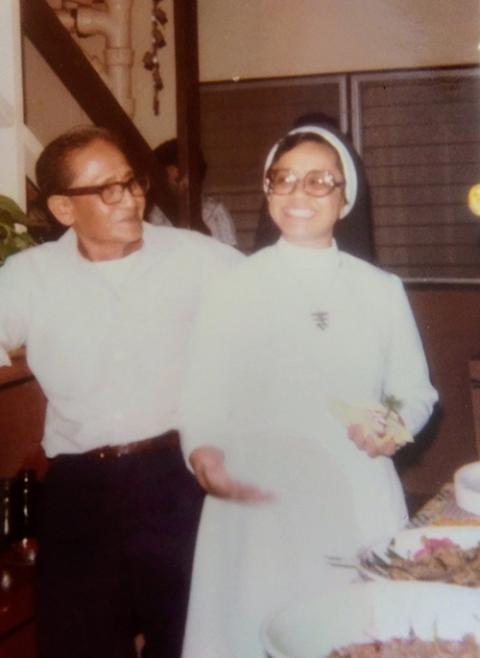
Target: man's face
{"points": [[104, 232]]}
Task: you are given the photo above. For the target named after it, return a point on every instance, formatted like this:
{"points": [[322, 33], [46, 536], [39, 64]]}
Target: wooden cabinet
{"points": [[22, 413], [17, 627], [474, 370]]}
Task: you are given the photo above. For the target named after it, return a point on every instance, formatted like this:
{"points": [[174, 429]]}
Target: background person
{"points": [[297, 330], [215, 215], [106, 313]]}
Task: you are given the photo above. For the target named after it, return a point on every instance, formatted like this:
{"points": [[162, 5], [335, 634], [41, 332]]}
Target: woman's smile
{"points": [[299, 213], [302, 218]]}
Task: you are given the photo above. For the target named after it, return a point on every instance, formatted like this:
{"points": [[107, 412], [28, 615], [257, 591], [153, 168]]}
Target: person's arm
{"points": [[205, 430], [406, 371], [406, 380]]}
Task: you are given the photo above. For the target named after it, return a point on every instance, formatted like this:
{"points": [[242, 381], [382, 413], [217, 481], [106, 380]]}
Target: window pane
{"points": [[419, 135]]}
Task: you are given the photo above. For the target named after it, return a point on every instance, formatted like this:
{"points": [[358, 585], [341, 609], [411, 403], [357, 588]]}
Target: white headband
{"points": [[349, 169]]}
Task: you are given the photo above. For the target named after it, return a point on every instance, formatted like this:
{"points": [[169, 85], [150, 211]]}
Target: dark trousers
{"points": [[116, 541]]}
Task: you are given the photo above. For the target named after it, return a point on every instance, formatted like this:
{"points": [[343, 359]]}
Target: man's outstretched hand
{"points": [[209, 469]]}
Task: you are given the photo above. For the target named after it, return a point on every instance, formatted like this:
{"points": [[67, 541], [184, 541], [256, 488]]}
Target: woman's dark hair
{"points": [[53, 170], [291, 141]]}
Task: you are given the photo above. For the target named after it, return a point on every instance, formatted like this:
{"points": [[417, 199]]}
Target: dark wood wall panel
{"points": [[449, 322], [22, 413]]}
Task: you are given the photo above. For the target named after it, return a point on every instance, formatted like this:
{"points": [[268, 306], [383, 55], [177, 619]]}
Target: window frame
{"points": [[355, 89]]}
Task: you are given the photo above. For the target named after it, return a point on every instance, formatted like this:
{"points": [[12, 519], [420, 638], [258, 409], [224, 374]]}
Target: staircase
{"points": [[42, 27]]}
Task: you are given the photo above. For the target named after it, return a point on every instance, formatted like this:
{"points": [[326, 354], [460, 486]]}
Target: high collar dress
{"points": [[286, 332]]}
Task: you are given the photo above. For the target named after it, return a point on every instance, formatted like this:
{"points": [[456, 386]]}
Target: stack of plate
{"points": [[380, 608], [364, 612], [467, 487]]}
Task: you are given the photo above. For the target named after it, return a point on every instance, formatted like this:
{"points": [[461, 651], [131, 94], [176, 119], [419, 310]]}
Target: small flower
{"points": [[20, 228]]}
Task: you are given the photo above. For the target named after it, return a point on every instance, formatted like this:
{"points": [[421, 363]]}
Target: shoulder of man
{"points": [[251, 279], [193, 252], [36, 255], [178, 239]]}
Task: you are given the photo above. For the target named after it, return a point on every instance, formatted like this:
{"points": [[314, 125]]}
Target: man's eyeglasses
{"points": [[315, 183], [112, 193]]}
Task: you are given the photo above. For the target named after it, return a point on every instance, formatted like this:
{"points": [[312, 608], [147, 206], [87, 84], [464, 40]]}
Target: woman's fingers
{"points": [[372, 444]]}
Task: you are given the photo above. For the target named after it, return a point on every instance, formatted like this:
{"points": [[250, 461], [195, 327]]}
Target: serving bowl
{"points": [[363, 612]]}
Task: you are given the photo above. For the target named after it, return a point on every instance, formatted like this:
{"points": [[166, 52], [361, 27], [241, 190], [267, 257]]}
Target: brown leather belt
{"points": [[167, 440]]}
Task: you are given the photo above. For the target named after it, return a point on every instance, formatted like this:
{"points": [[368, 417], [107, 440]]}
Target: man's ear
{"points": [[61, 207]]}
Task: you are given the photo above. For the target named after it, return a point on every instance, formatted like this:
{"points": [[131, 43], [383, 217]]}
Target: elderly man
{"points": [[106, 314]]}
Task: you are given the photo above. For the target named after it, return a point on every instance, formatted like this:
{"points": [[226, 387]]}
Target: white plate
{"points": [[363, 612], [408, 542], [467, 487]]}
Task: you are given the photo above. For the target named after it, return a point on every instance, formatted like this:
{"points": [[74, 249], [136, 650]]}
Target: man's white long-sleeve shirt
{"points": [[110, 358]]}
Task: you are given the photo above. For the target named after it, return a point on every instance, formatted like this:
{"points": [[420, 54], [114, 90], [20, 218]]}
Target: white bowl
{"points": [[467, 487], [363, 612]]}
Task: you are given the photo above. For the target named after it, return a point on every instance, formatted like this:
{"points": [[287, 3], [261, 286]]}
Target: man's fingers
{"points": [[217, 482]]}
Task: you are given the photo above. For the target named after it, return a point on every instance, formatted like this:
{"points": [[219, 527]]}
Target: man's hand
{"points": [[208, 465]]}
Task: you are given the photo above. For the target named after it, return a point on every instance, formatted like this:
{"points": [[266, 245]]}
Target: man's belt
{"points": [[167, 440]]}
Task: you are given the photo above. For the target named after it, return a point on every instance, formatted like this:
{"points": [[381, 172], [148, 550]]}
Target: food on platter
{"points": [[449, 555], [412, 646]]}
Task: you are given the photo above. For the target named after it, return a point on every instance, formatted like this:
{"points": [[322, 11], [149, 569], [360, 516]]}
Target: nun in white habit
{"points": [[283, 423]]}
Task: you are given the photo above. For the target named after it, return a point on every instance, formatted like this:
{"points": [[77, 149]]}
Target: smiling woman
{"points": [[299, 324], [306, 214]]}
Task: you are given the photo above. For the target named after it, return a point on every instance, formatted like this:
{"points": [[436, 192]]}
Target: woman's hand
{"points": [[209, 469], [371, 442], [381, 431]]}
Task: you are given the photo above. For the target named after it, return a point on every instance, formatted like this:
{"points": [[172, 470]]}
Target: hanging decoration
{"points": [[150, 58]]}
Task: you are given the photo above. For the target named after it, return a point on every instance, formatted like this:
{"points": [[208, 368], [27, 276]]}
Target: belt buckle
{"points": [[122, 450]]}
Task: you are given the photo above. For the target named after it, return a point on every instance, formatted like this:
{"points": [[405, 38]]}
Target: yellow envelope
{"points": [[364, 415]]}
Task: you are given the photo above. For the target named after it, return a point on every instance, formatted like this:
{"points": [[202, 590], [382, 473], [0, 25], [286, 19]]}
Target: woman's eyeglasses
{"points": [[314, 183], [112, 193]]}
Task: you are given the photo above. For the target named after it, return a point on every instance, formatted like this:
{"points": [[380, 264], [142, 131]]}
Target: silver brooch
{"points": [[321, 319]]}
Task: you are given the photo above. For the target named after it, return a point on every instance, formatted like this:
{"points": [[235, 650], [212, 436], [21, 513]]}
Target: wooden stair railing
{"points": [[43, 28]]}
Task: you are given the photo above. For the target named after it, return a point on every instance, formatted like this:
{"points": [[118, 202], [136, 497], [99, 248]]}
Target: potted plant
{"points": [[14, 231]]}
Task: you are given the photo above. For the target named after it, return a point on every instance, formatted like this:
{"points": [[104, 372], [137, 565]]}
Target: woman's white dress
{"points": [[288, 331]]}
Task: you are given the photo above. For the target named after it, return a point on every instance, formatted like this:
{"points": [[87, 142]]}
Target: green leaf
{"points": [[392, 403], [11, 210]]}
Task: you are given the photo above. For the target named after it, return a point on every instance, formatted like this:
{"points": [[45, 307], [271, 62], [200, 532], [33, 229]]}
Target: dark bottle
{"points": [[6, 513], [24, 504]]}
